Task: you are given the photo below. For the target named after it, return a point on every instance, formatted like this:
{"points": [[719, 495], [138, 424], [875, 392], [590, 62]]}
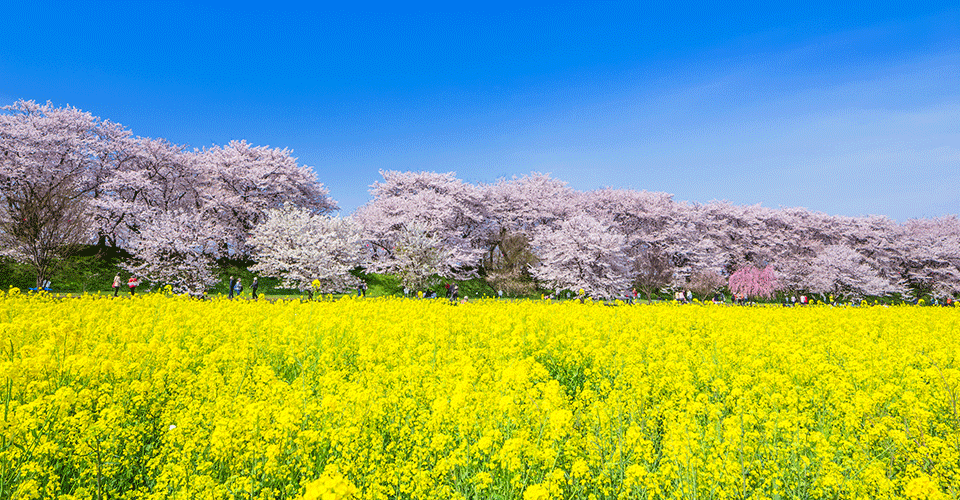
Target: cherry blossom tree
{"points": [[43, 143], [523, 204], [508, 265], [444, 207], [653, 227], [841, 271], [157, 177], [240, 182], [927, 256], [705, 282], [582, 253], [519, 207], [118, 152], [303, 247], [177, 249], [41, 225], [798, 248], [723, 237], [750, 281], [652, 271], [419, 256], [717, 236], [50, 160]]}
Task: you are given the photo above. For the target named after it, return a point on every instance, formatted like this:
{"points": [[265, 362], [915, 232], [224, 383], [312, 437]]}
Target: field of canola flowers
{"points": [[163, 397]]}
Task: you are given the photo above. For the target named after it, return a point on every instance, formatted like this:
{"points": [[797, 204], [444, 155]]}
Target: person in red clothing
{"points": [[132, 283]]}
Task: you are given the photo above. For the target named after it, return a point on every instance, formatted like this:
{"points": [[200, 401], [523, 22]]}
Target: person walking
{"points": [[116, 284], [253, 287], [132, 283], [233, 283]]}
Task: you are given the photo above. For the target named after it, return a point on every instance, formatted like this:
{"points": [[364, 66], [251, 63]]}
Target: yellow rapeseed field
{"points": [[166, 397]]}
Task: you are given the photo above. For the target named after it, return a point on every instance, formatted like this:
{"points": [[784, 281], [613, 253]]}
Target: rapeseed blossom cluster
{"points": [[165, 397]]}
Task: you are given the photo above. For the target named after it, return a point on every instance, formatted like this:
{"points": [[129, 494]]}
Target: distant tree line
{"points": [[610, 240], [69, 178]]}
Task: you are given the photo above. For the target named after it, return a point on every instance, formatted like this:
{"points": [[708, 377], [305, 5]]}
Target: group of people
{"points": [[453, 291], [236, 287], [687, 297], [132, 283], [946, 302], [802, 300]]}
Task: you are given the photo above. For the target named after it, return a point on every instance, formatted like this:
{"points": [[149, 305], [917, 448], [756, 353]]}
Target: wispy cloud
{"points": [[883, 141]]}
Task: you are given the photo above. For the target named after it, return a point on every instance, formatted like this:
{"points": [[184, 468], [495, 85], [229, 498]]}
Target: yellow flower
{"points": [[482, 480], [922, 487], [536, 492], [579, 468], [330, 486]]}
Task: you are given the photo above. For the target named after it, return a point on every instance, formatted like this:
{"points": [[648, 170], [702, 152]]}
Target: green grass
{"points": [[381, 284]]}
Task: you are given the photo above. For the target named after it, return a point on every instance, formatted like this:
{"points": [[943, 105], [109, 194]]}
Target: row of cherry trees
{"points": [[67, 177], [609, 240]]}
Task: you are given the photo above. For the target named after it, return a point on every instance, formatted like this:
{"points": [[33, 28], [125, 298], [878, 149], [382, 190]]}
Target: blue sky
{"points": [[845, 109]]}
